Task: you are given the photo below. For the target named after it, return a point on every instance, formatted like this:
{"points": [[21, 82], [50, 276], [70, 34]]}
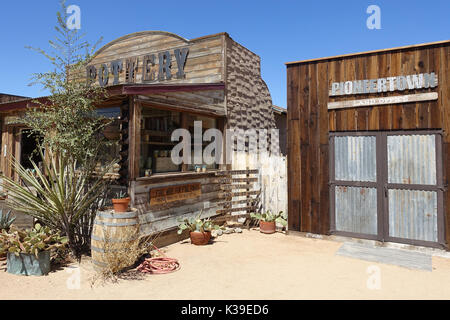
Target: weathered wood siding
{"points": [[309, 120], [209, 102], [204, 64], [164, 217], [249, 104], [10, 98], [10, 147], [272, 178]]}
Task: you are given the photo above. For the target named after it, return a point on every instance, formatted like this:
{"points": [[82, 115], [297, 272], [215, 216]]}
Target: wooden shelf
{"points": [[156, 133], [180, 175], [159, 143]]}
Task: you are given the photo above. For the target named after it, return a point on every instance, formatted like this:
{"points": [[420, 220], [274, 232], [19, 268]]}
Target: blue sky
{"points": [[278, 31]]}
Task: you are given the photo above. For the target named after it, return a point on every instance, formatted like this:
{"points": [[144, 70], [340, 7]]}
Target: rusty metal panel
{"points": [[412, 159], [355, 158], [356, 209], [413, 214]]}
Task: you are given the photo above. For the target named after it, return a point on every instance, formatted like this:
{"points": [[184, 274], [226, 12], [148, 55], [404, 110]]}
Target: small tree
{"points": [[66, 120], [65, 193]]}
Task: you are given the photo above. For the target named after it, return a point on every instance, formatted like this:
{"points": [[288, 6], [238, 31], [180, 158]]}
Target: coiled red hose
{"points": [[159, 265]]}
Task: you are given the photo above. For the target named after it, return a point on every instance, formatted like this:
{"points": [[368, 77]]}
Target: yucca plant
{"points": [[6, 220], [60, 196]]}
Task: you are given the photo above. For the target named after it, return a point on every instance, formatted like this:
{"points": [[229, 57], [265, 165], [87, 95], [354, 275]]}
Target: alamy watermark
{"points": [[374, 279], [374, 20], [252, 141], [74, 280], [74, 17]]}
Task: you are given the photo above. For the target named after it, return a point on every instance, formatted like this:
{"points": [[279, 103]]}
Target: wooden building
{"points": [[369, 145], [158, 82]]}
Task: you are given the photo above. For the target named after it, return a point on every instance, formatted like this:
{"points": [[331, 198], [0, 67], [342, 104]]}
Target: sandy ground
{"points": [[250, 265]]}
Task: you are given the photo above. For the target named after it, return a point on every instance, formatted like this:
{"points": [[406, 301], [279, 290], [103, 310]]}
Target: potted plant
{"points": [[121, 202], [268, 220], [28, 251], [199, 229]]}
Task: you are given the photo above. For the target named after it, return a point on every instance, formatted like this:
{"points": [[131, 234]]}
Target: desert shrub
{"points": [[120, 257], [60, 196]]}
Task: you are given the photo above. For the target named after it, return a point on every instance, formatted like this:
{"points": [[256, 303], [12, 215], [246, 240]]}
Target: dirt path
{"points": [[247, 266]]}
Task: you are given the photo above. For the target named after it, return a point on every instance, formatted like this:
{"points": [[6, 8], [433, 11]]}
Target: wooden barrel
{"points": [[112, 232]]}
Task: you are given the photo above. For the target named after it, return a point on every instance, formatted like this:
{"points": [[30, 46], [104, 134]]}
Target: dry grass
{"points": [[121, 257]]}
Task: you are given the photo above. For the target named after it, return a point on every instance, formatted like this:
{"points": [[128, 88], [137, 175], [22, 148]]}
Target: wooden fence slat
{"points": [[234, 186], [231, 180], [237, 209], [232, 172], [240, 194], [231, 202]]}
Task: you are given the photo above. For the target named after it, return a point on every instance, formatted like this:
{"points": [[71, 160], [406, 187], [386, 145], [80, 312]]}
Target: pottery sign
{"points": [[152, 68]]}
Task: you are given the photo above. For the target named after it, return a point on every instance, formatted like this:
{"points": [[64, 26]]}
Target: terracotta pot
{"points": [[200, 238], [267, 227], [121, 205]]}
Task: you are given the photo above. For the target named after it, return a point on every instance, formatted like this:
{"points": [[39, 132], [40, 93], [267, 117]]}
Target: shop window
{"points": [[157, 127], [207, 123], [110, 151], [156, 131]]}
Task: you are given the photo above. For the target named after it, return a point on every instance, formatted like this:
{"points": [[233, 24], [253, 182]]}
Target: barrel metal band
{"points": [[110, 224], [99, 263], [103, 250], [127, 215], [93, 237]]}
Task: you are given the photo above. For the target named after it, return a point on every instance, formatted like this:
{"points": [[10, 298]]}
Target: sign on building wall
{"points": [[155, 67], [382, 85], [169, 194], [389, 84]]}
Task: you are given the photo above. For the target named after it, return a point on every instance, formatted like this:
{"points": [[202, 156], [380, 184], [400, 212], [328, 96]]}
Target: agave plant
{"points": [[6, 220], [31, 241], [121, 195], [197, 224], [280, 217], [60, 196]]}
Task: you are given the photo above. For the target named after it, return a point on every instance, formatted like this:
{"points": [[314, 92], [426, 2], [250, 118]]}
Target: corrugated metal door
{"points": [[354, 184], [414, 192], [387, 186]]}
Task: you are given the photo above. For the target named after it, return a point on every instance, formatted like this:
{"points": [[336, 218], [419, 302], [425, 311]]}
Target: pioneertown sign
{"points": [[389, 84], [108, 73]]}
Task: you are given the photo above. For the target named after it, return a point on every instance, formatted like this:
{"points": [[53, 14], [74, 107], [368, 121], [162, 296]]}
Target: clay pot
{"points": [[200, 238], [121, 205], [267, 227]]}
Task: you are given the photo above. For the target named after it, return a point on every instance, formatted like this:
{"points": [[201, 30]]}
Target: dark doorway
{"points": [[28, 150]]}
